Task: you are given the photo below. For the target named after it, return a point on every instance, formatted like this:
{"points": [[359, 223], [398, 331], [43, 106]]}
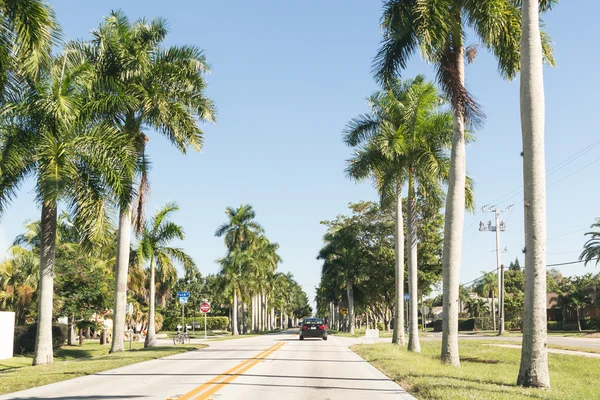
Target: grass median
{"points": [[486, 372], [74, 361]]}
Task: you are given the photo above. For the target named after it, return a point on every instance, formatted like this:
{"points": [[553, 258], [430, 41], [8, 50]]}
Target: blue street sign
{"points": [[183, 294], [405, 297], [183, 300]]}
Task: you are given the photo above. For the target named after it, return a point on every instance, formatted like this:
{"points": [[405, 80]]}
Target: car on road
{"points": [[313, 328]]}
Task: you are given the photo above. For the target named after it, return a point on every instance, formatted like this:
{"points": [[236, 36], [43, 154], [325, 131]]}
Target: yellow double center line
{"points": [[208, 388]]}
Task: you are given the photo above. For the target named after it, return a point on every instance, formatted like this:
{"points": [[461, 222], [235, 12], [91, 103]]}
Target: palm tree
{"points": [[241, 230], [477, 307], [46, 136], [487, 286], [342, 256], [29, 30], [591, 248], [18, 282], [147, 85], [234, 268], [438, 30], [154, 249], [414, 138], [378, 162], [534, 356]]}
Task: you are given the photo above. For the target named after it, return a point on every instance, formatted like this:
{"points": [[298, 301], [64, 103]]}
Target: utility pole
{"points": [[500, 226]]}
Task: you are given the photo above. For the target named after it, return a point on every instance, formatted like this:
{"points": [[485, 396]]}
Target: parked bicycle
{"points": [[181, 338]]}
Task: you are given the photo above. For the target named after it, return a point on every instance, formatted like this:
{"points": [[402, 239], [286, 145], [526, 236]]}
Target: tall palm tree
{"points": [[414, 139], [154, 249], [234, 268], [29, 30], [378, 162], [241, 230], [45, 135], [534, 356], [146, 85], [438, 30], [248, 253]]}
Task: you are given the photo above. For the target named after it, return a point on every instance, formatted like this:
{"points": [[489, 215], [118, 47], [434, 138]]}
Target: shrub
{"points": [[380, 326], [24, 341], [212, 323], [466, 324]]}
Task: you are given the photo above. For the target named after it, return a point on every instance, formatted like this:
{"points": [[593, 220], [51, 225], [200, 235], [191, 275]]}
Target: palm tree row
{"points": [[75, 123], [510, 29], [404, 143], [249, 271]]}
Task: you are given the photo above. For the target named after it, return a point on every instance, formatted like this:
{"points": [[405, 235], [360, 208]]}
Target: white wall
{"points": [[7, 333]]}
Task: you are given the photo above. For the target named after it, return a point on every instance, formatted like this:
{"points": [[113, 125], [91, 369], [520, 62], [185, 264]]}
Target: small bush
{"points": [[466, 324], [380, 326], [24, 341]]}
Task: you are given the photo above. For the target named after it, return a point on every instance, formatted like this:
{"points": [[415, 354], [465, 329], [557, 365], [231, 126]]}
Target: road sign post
{"points": [[205, 308], [183, 298]]}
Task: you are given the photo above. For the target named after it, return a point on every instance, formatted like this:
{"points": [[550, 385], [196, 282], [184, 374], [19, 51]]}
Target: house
{"points": [[555, 313]]}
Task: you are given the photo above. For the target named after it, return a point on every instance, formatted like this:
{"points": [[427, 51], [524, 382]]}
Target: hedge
{"points": [[586, 324], [212, 323], [467, 324], [24, 341]]}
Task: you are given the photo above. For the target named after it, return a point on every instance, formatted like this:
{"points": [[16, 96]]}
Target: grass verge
{"points": [[74, 361], [589, 333], [361, 332], [486, 372]]}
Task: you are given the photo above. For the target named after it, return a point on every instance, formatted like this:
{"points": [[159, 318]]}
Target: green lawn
{"points": [[74, 361], [486, 372], [361, 332]]}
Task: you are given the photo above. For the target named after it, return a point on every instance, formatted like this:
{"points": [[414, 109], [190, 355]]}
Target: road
{"points": [[274, 366]]}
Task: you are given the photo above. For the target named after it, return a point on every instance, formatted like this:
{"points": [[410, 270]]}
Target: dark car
{"points": [[313, 328]]}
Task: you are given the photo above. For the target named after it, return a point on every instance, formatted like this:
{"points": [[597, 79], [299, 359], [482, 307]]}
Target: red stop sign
{"points": [[205, 307]]}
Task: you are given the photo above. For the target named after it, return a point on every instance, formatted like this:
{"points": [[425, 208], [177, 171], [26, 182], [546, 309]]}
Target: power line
{"points": [[547, 266], [566, 234], [565, 263], [551, 171]]}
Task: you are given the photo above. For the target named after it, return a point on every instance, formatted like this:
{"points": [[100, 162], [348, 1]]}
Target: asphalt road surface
{"points": [[275, 366]]}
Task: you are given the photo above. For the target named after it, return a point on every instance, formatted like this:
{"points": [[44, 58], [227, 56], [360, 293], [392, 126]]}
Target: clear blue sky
{"points": [[287, 76]]}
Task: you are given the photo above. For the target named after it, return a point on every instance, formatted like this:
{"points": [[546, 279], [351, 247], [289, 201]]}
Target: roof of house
{"points": [[551, 300]]}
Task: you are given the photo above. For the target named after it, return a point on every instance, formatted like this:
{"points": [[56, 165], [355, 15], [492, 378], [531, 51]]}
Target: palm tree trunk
{"points": [[413, 337], [234, 314], [273, 322], [453, 227], [534, 356], [350, 294], [71, 327], [578, 309], [151, 333], [244, 313], [398, 334], [253, 313], [122, 266], [43, 339], [263, 312], [493, 310], [281, 318]]}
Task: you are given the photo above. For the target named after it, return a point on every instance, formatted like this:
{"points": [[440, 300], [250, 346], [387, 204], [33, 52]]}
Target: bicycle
{"points": [[181, 338]]}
